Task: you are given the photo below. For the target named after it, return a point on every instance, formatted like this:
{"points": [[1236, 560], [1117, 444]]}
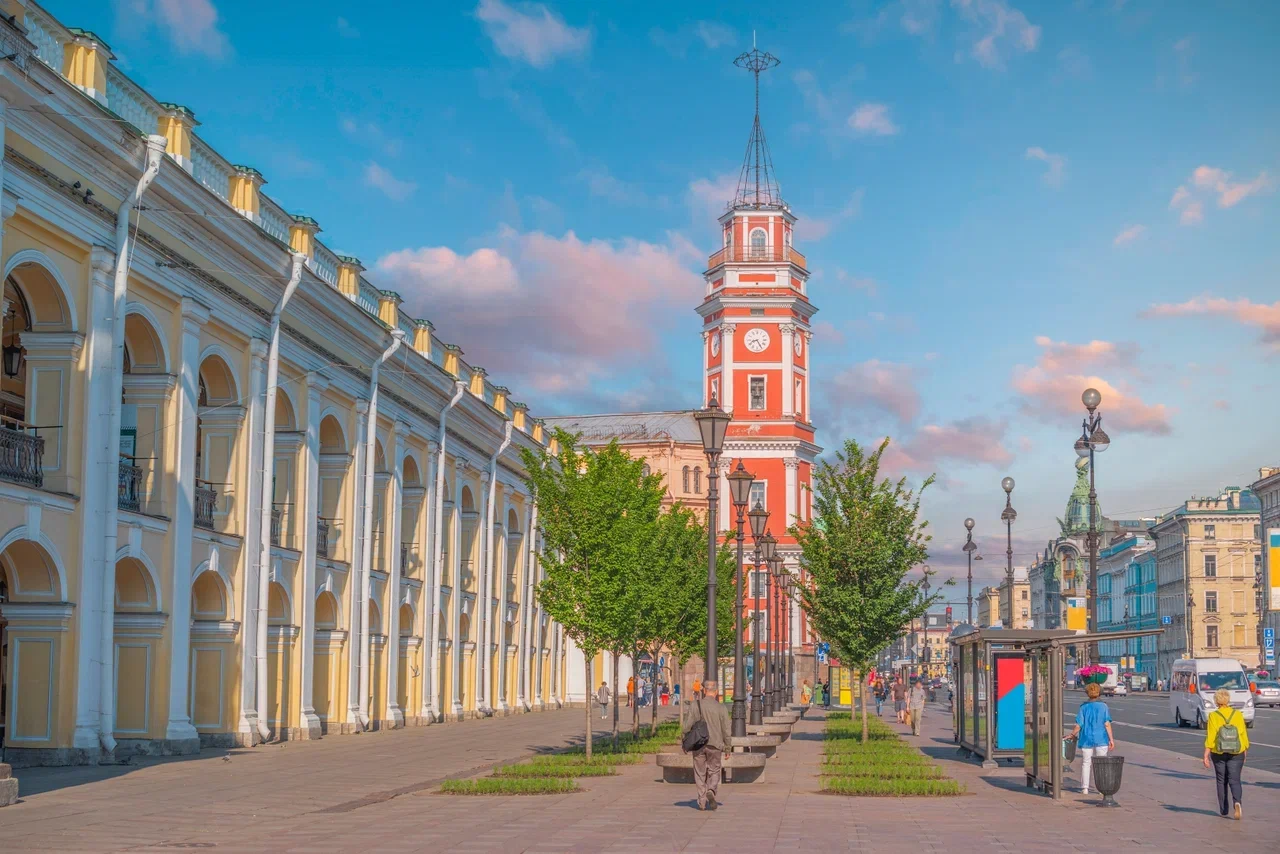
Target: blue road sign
{"points": [[1268, 643], [1164, 621], [1268, 632]]}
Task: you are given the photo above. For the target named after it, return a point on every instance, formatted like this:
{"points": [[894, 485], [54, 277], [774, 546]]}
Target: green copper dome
{"points": [[1076, 520]]}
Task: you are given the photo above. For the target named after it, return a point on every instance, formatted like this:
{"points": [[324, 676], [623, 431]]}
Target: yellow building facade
{"points": [[181, 565]]}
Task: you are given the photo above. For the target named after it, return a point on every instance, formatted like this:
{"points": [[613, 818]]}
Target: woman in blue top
{"points": [[1093, 727]]}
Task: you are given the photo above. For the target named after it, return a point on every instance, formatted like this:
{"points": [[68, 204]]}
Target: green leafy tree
{"points": [[596, 511], [865, 537], [687, 637]]}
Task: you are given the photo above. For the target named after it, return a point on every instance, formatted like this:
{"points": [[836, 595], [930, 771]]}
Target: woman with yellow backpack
{"points": [[1226, 741]]}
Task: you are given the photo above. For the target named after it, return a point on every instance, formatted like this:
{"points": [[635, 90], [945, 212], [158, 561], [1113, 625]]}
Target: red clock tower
{"points": [[756, 359]]}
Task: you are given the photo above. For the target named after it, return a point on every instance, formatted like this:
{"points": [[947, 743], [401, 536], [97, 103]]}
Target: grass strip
{"points": [[879, 787], [510, 786], [592, 770], [885, 772], [574, 759]]}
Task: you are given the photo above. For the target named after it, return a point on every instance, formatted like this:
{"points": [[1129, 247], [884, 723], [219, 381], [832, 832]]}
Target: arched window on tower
{"points": [[759, 244], [644, 470], [685, 478], [697, 480]]}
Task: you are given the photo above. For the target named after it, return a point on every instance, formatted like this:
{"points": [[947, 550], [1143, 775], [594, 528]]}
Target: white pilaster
{"points": [[456, 597], [706, 366], [391, 597], [316, 385], [788, 369], [483, 659], [355, 603], [430, 592], [527, 635], [179, 731], [793, 490], [725, 500], [808, 374], [726, 366], [98, 358], [252, 508]]}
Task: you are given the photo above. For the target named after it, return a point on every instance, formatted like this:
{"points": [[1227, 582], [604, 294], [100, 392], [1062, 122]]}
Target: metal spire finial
{"points": [[756, 184]]}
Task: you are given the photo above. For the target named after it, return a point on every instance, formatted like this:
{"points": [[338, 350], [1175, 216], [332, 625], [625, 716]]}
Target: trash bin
{"points": [[1107, 771]]}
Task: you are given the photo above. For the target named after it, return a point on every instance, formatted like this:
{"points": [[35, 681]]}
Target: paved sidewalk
{"points": [[338, 799]]}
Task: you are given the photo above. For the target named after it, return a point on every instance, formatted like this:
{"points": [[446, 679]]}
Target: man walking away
{"points": [[708, 758], [900, 699], [631, 689], [602, 695], [915, 700]]}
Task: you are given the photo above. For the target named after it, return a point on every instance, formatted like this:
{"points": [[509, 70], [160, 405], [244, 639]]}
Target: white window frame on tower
{"points": [[759, 493], [764, 396], [751, 244]]}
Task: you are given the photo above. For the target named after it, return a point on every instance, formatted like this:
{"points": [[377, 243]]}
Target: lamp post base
{"points": [[756, 716], [738, 717]]}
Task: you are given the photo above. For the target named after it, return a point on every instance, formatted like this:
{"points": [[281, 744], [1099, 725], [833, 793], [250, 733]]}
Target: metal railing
{"points": [[206, 499], [404, 559], [763, 255], [277, 523], [322, 536], [130, 486], [21, 453]]}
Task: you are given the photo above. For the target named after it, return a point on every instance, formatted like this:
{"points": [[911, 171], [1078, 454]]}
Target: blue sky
{"points": [[1001, 201]]}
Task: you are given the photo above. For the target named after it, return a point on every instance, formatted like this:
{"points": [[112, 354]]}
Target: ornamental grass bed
{"points": [[885, 766], [571, 759], [583, 770], [510, 786]]}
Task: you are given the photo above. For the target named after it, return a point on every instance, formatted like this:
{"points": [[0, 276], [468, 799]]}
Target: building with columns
{"points": [[219, 523], [1267, 582]]}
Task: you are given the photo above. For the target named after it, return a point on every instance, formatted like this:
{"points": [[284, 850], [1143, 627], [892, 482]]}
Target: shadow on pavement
{"points": [[1195, 810]]}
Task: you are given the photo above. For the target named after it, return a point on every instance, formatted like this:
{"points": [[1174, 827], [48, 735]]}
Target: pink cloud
{"points": [[887, 386], [708, 196], [971, 441], [1242, 310], [191, 25], [1003, 29], [1212, 181], [569, 307], [532, 32], [872, 119], [1051, 388], [1128, 235]]}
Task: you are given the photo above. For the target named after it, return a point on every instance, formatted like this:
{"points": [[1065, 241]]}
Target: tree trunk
{"points": [[862, 698], [680, 681], [653, 716], [587, 682], [635, 700], [615, 702]]}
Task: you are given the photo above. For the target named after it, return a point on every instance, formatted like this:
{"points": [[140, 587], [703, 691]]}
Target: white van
{"points": [[1194, 682]]}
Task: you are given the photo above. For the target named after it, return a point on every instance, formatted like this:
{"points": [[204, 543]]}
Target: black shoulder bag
{"points": [[698, 735]]}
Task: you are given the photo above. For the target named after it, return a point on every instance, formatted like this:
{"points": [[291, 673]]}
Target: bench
{"points": [[766, 744], [781, 719], [783, 731], [736, 767]]}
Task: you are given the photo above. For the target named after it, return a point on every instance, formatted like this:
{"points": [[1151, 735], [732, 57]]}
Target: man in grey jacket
{"points": [[915, 702], [708, 759]]}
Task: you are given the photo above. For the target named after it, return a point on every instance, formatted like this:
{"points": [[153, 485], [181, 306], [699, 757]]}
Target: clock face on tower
{"points": [[756, 339], [715, 343]]}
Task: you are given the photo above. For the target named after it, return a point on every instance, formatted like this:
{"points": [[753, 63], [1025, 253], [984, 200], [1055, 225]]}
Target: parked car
{"points": [[1119, 690], [1268, 694], [1194, 682]]}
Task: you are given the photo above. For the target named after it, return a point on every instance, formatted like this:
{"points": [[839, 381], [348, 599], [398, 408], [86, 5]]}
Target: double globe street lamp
{"points": [[764, 550], [1093, 440], [1008, 516], [713, 423], [740, 481]]}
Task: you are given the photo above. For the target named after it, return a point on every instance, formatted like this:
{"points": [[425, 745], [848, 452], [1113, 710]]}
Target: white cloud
{"points": [[873, 119], [1057, 164], [715, 35], [191, 25], [601, 182], [998, 30], [1209, 181], [532, 32], [392, 187], [1128, 235], [709, 196]]}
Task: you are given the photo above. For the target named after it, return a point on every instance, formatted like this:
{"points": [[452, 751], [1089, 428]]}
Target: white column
{"points": [[356, 619], [793, 490], [483, 620], [525, 682], [788, 369], [252, 507], [504, 582], [89, 619], [430, 590], [456, 597], [808, 374], [725, 500], [575, 664], [726, 366], [179, 732], [706, 366], [308, 720], [391, 594]]}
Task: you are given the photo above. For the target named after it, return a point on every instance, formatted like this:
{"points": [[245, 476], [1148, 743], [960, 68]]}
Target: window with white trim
{"points": [[756, 395], [759, 244], [759, 495]]}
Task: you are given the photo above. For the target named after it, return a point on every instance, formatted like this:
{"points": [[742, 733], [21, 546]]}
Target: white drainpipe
{"points": [[268, 491], [484, 596], [437, 558], [366, 575], [155, 145]]}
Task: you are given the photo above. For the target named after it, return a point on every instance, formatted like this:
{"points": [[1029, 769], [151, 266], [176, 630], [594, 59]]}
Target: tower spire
{"points": [[756, 185]]}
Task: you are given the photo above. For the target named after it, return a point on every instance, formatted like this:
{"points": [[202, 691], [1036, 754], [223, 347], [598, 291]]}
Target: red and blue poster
{"points": [[1011, 700]]}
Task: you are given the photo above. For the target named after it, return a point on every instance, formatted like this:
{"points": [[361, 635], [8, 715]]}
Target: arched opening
{"points": [[142, 412], [217, 423], [412, 493], [514, 555], [470, 531], [406, 620], [208, 597], [281, 635], [211, 640], [759, 244], [136, 646], [288, 441], [697, 480], [327, 611], [28, 574], [327, 656], [684, 482], [334, 462], [134, 588], [278, 613]]}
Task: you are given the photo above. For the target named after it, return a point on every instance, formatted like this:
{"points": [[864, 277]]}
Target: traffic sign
{"points": [[1271, 656], [1268, 632], [1164, 621], [1268, 643]]}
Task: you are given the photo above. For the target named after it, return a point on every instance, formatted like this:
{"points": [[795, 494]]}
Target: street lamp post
{"points": [[764, 550], [969, 548], [740, 492], [925, 617], [775, 631], [784, 698], [1007, 517], [713, 422], [1093, 440]]}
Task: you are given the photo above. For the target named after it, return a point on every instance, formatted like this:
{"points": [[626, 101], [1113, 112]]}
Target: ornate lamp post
{"points": [[713, 423], [740, 491], [926, 655], [1007, 517], [788, 668], [771, 691], [969, 548], [1093, 440], [765, 545]]}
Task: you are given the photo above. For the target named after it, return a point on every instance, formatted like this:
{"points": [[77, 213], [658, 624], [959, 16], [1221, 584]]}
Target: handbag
{"points": [[1069, 748], [698, 735]]}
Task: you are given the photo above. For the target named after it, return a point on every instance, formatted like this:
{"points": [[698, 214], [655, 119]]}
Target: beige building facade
{"points": [[219, 523]]}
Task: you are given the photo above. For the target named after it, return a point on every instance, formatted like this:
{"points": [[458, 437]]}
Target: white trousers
{"points": [[1086, 766]]}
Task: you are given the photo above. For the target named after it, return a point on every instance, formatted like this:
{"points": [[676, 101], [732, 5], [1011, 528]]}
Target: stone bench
{"points": [[783, 731], [766, 744], [8, 786], [737, 767], [781, 719]]}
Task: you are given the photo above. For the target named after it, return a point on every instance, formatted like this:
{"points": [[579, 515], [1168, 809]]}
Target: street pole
{"points": [[770, 615], [969, 548], [1093, 440], [764, 548], [1007, 517], [740, 493], [713, 422]]}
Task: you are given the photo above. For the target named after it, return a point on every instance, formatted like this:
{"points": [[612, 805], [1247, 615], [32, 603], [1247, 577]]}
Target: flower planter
{"points": [[1107, 771]]}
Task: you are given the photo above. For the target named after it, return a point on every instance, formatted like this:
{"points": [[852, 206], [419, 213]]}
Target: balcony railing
{"points": [[206, 500], [21, 454], [322, 536], [747, 253], [130, 487], [277, 523]]}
